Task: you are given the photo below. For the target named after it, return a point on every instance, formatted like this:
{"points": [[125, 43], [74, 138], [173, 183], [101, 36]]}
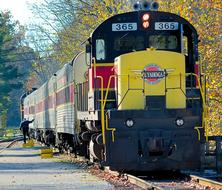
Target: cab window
{"points": [[128, 43], [100, 50], [163, 42]]}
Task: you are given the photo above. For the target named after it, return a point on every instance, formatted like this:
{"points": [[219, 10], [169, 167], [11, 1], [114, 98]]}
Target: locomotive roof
{"points": [[135, 16]]}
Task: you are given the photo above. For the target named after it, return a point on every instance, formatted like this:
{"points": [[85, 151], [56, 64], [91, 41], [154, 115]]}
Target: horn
{"points": [[146, 5], [137, 6], [155, 6]]}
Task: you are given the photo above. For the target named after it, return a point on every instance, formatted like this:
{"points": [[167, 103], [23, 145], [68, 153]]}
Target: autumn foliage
{"points": [[205, 15]]}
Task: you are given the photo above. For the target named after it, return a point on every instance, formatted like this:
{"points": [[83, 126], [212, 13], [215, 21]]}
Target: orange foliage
{"points": [[206, 16]]}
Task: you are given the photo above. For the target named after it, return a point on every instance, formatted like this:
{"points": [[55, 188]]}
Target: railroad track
{"points": [[8, 143], [187, 182], [195, 182], [207, 182]]}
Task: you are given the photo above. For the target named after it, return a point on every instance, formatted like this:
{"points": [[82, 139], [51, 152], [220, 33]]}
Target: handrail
{"points": [[107, 89], [104, 116], [104, 120], [204, 105], [110, 129], [199, 84], [104, 105], [102, 111]]}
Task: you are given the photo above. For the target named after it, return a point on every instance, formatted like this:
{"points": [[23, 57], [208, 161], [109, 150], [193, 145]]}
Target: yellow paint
{"points": [[30, 143], [104, 117], [102, 64], [46, 153], [46, 156], [132, 89]]}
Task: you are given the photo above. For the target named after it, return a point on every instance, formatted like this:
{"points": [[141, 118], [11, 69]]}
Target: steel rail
{"points": [[11, 139], [206, 182], [195, 179], [141, 183], [11, 142]]}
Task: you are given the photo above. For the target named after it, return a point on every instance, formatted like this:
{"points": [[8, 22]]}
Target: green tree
{"points": [[8, 47]]}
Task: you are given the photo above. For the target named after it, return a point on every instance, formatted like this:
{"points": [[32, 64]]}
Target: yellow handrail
{"points": [[102, 112], [204, 105], [107, 89], [201, 90], [104, 119], [104, 123], [104, 104], [110, 129]]}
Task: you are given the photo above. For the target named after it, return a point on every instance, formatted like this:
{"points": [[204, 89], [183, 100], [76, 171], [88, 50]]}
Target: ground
{"points": [[23, 169]]}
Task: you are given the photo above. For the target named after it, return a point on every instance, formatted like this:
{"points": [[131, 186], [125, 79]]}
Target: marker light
{"points": [[146, 17], [146, 24], [145, 20]]}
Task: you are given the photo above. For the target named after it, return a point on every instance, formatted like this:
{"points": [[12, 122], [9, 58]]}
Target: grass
{"points": [[9, 133]]}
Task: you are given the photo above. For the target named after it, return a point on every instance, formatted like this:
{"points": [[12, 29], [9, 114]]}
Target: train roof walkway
{"points": [[23, 169]]}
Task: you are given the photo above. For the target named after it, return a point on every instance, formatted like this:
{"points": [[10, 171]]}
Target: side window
{"points": [[185, 45], [100, 49]]}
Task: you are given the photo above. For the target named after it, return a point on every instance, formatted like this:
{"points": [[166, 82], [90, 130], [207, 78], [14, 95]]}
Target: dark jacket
{"points": [[25, 125]]}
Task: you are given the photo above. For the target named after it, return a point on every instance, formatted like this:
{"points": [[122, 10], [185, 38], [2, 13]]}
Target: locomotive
{"points": [[132, 100]]}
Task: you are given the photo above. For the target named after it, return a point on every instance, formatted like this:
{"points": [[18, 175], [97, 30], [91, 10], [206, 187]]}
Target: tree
{"points": [[8, 71], [59, 29], [67, 23], [13, 52], [205, 15]]}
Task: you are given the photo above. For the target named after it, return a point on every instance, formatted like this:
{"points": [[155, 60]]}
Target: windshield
{"points": [[135, 43], [109, 47]]}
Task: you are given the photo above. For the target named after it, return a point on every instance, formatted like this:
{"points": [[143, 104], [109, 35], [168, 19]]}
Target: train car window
{"points": [[100, 49], [163, 42]]}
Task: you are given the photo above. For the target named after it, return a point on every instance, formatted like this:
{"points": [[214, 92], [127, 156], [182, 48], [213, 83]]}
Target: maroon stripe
{"points": [[105, 72]]}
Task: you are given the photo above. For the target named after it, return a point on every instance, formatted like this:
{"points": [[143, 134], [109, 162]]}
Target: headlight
{"points": [[129, 122], [179, 122]]}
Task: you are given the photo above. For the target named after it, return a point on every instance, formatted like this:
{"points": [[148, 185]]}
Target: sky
{"points": [[19, 9]]}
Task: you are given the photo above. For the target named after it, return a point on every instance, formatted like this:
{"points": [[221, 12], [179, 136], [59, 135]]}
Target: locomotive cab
{"points": [[136, 32]]}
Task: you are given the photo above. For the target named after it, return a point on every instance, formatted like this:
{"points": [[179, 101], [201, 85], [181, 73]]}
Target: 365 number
{"points": [[124, 27], [166, 26]]}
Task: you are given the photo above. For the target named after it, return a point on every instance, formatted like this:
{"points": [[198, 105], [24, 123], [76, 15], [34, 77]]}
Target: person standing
{"points": [[24, 126]]}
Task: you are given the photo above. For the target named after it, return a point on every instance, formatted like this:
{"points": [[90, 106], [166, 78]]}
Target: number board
{"points": [[116, 27], [166, 25]]}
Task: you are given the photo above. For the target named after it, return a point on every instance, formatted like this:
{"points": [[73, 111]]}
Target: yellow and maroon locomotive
{"points": [[138, 103]]}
